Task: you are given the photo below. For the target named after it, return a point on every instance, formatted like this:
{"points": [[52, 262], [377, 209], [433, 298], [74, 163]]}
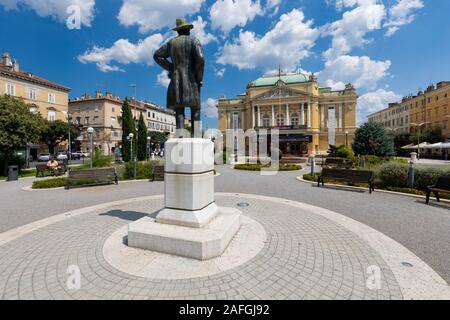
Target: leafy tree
{"points": [[433, 135], [56, 132], [401, 140], [142, 140], [157, 136], [372, 139], [17, 127], [128, 127]]}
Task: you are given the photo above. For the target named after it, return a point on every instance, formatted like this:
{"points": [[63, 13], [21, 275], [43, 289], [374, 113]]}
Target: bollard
{"points": [[411, 174]]}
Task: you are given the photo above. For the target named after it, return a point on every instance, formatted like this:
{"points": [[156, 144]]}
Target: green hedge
{"points": [[395, 175], [259, 167], [310, 177], [50, 183], [144, 170]]}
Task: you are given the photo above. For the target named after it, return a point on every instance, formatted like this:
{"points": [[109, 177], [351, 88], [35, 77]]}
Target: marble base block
{"points": [[205, 243]]}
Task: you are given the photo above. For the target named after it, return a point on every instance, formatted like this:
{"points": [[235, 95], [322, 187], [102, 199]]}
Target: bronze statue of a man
{"points": [[186, 67]]}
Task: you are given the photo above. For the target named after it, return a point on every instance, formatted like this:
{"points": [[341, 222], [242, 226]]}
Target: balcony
{"points": [[282, 128]]}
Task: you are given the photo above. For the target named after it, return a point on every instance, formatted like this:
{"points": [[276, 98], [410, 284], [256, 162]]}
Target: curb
{"points": [[376, 190]]}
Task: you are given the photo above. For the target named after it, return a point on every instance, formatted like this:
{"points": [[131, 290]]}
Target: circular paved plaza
{"points": [[309, 253]]}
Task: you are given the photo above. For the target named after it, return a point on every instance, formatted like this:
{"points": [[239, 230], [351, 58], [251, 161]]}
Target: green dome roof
{"points": [[288, 79]]}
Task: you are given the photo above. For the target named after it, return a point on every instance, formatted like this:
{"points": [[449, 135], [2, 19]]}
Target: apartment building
{"points": [[103, 112], [48, 98], [427, 109], [395, 118]]}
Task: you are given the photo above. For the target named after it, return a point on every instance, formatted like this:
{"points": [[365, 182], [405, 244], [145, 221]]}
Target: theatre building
{"points": [[309, 118]]}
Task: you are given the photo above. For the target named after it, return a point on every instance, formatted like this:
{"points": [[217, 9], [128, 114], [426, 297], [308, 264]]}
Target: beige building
{"points": [[427, 109], [395, 118], [310, 118], [48, 98], [104, 114]]}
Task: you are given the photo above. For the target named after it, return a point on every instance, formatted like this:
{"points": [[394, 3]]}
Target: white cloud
{"points": [[227, 14], [163, 79], [401, 14], [220, 72], [123, 52], [273, 6], [350, 31], [54, 8], [200, 33], [287, 44], [362, 72], [372, 102], [156, 14], [210, 108]]}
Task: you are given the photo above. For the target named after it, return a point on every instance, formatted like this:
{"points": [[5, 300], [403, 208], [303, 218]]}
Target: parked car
{"points": [[62, 156], [76, 155], [44, 157]]}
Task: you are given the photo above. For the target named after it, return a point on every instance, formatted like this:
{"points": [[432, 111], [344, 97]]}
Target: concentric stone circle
{"points": [[306, 256], [247, 243]]}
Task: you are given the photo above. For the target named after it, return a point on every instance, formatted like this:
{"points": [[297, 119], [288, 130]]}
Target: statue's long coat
{"points": [[186, 67]]}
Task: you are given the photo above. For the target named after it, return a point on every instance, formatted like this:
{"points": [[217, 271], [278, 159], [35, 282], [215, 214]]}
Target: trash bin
{"points": [[13, 173]]}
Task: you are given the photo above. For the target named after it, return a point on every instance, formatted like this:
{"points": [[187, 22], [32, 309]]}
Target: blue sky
{"points": [[387, 48]]}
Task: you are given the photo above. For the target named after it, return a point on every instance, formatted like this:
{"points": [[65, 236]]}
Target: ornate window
{"points": [[266, 120], [295, 119], [280, 120]]}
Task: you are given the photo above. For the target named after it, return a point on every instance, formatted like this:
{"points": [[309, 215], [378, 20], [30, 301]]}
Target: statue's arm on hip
{"points": [[161, 57], [199, 63]]}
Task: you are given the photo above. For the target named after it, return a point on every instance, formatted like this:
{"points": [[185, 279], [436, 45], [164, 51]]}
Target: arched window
{"points": [[266, 121], [280, 119], [295, 119]]}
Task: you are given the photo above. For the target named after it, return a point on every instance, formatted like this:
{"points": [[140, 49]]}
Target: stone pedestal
{"points": [[191, 224]]}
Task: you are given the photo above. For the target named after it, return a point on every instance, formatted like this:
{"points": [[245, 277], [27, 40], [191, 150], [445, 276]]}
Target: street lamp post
{"points": [[69, 148], [130, 137], [149, 141], [418, 126], [90, 131]]}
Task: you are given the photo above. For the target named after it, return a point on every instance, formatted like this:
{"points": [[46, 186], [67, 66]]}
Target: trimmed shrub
{"points": [[392, 175], [427, 176], [259, 167], [143, 170], [101, 161], [310, 177], [49, 183]]}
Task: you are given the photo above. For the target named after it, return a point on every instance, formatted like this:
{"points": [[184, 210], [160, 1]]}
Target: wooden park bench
{"points": [[344, 175], [441, 186], [158, 172], [92, 177], [43, 171]]}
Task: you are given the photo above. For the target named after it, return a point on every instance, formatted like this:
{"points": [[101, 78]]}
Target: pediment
{"points": [[281, 91]]}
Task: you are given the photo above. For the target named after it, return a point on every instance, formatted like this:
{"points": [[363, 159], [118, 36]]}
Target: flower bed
{"points": [[259, 167]]}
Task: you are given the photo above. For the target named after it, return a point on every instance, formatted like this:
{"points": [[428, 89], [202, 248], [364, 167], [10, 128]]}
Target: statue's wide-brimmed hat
{"points": [[183, 24]]}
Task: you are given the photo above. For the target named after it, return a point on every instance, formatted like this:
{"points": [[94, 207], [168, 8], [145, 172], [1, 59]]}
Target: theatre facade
{"points": [[309, 118]]}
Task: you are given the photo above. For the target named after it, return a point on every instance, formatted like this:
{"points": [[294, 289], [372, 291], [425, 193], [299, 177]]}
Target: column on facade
{"points": [[288, 116], [253, 117], [243, 120], [302, 114], [273, 116], [309, 115], [322, 116], [340, 117], [229, 124], [259, 116]]}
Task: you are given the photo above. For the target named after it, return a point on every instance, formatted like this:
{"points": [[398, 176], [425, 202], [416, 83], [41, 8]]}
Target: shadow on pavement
{"points": [[125, 215]]}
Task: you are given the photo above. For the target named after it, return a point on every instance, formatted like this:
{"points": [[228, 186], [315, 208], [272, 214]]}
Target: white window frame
{"points": [[10, 86], [52, 97], [32, 93], [51, 115]]}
